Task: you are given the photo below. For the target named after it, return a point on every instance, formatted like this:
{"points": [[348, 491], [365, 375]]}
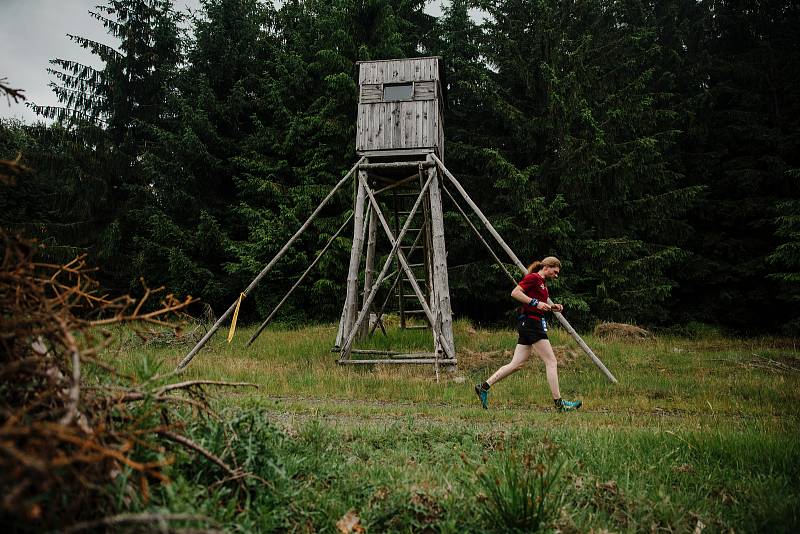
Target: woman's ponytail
{"points": [[549, 261]]}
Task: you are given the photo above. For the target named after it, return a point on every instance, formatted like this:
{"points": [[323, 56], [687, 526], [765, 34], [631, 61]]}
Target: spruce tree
{"points": [[111, 111], [585, 134]]}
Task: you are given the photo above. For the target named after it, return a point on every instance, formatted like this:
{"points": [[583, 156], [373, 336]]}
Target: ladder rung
{"points": [[417, 327], [416, 264], [414, 311]]}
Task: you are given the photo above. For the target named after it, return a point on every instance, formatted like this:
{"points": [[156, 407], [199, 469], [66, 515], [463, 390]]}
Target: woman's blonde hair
{"points": [[549, 261]]}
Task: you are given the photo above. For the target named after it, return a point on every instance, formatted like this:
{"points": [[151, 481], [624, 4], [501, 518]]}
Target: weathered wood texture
{"points": [[348, 344], [392, 125], [351, 299], [369, 264], [399, 70], [420, 361], [441, 285]]}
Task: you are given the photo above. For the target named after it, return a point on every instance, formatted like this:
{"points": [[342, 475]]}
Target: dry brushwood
{"points": [[65, 438]]}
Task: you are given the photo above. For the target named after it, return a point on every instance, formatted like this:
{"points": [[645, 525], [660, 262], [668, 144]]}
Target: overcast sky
{"points": [[32, 32]]}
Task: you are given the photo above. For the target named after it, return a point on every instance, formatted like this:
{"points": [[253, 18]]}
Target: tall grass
{"points": [[699, 433]]}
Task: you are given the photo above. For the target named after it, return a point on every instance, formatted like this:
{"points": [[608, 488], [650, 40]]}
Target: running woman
{"points": [[532, 293]]}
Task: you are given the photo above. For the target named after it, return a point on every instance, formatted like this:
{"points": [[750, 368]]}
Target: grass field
{"points": [[700, 434]]}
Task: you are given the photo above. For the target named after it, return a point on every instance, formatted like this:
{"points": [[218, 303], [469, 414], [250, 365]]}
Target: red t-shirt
{"points": [[533, 285]]}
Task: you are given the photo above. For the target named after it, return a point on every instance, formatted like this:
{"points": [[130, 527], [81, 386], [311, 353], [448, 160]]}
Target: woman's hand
{"points": [[543, 306], [557, 308]]}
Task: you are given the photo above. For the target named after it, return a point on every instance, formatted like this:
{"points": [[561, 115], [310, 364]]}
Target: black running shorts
{"points": [[530, 330]]}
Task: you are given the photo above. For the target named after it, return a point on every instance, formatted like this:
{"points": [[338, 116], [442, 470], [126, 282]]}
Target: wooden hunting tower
{"points": [[400, 131], [399, 187]]}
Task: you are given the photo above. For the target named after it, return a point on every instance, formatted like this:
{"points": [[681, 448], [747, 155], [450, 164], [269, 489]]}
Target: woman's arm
{"points": [[519, 295]]}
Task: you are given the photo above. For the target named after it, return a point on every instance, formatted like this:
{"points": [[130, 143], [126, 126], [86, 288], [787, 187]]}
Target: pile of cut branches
{"points": [[77, 436]]}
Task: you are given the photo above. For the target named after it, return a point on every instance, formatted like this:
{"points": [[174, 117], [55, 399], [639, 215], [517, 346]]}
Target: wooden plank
{"points": [[397, 165], [424, 90], [371, 93], [426, 125], [441, 285], [351, 299], [396, 125], [369, 264], [362, 133], [409, 136], [419, 125]]}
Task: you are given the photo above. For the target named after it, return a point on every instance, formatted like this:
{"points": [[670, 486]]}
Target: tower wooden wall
{"points": [[400, 106]]}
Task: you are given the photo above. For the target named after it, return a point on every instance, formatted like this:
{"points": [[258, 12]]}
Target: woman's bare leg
{"points": [[545, 352], [521, 355]]}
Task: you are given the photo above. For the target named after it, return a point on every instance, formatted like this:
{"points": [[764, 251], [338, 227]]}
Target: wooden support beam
{"points": [[391, 353], [347, 345], [523, 269], [441, 285], [200, 344], [351, 299], [299, 280], [394, 185], [394, 165], [400, 256], [369, 264]]}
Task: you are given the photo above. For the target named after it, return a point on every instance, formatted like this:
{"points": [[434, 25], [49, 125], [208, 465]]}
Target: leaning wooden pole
{"points": [[515, 259], [200, 344], [299, 280], [351, 298]]}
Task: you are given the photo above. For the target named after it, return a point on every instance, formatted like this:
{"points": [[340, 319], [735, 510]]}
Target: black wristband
{"points": [[533, 302]]}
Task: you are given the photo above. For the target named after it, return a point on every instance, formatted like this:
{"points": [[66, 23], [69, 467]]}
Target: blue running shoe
{"points": [[483, 395], [569, 406]]}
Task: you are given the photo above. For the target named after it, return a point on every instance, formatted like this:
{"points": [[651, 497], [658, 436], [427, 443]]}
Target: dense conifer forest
{"points": [[653, 146]]}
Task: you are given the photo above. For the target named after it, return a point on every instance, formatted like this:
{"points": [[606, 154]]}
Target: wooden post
{"points": [[299, 280], [348, 344], [369, 264], [441, 285], [351, 300], [428, 246], [515, 259], [188, 358]]}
